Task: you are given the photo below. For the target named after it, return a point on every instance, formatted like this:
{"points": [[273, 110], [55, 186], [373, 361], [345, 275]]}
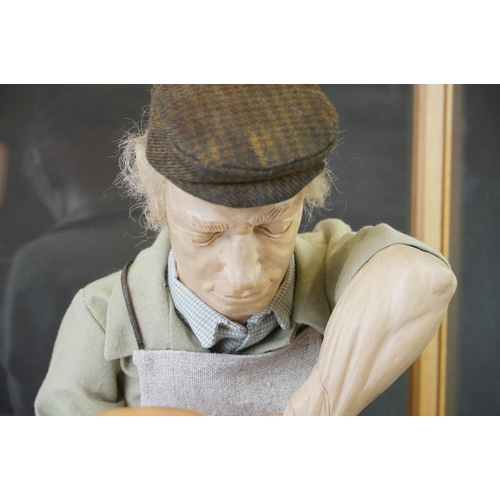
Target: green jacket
{"points": [[92, 369]]}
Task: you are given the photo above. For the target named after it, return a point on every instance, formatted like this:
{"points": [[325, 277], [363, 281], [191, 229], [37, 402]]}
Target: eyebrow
{"points": [[275, 212], [218, 227], [212, 227]]}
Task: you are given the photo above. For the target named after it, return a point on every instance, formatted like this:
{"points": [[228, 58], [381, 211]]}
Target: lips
{"points": [[243, 295]]}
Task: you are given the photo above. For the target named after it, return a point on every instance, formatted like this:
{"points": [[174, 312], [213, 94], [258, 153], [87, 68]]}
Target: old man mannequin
{"points": [[231, 312]]}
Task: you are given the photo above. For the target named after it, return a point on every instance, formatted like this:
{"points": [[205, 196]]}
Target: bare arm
{"points": [[383, 321]]}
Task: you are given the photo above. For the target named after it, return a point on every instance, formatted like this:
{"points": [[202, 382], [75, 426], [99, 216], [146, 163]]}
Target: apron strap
{"points": [[130, 308]]}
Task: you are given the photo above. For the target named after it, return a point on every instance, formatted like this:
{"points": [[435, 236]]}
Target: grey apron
{"points": [[222, 384]]}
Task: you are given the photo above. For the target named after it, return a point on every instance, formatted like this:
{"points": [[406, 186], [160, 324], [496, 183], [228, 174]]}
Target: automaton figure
{"points": [[231, 312]]}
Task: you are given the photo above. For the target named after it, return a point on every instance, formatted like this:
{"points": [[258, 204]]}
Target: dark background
{"points": [[372, 164], [477, 363], [373, 168]]}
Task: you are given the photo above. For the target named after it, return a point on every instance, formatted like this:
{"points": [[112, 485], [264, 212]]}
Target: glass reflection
{"points": [[67, 156]]}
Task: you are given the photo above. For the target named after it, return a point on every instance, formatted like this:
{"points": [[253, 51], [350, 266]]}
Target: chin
{"points": [[240, 315], [242, 319], [235, 309]]}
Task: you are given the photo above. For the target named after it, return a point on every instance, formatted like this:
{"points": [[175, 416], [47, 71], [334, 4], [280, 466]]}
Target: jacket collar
{"points": [[311, 306]]}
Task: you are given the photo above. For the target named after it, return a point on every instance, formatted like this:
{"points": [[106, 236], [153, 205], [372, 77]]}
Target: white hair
{"points": [[149, 188]]}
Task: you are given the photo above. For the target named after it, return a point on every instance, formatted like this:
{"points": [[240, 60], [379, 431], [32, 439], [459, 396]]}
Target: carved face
{"points": [[233, 259]]}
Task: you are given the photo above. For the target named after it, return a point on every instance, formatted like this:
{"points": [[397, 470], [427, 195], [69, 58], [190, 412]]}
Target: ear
{"points": [[34, 169], [31, 161]]}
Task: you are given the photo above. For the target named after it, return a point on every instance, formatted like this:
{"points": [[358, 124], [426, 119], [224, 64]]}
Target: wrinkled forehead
{"points": [[188, 209]]}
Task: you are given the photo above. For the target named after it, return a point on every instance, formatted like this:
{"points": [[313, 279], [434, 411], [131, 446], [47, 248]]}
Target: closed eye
{"points": [[204, 239], [275, 229]]}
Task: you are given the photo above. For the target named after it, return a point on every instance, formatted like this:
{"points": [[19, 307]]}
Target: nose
{"points": [[242, 268]]}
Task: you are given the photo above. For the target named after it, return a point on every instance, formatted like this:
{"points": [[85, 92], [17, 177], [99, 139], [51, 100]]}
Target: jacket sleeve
{"points": [[347, 255], [80, 381], [34, 306]]}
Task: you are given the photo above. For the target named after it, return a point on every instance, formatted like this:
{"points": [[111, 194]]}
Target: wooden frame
{"points": [[431, 191]]}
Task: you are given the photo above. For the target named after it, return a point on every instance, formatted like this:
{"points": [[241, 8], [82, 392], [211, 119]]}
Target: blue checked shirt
{"points": [[220, 334]]}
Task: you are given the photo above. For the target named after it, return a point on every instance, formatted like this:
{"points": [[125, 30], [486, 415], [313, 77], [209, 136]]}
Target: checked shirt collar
{"points": [[220, 334]]}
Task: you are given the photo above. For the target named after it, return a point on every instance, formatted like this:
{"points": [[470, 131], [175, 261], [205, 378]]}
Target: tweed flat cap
{"points": [[240, 145]]}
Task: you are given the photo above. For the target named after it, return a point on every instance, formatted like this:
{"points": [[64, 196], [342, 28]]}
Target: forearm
{"points": [[382, 322]]}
